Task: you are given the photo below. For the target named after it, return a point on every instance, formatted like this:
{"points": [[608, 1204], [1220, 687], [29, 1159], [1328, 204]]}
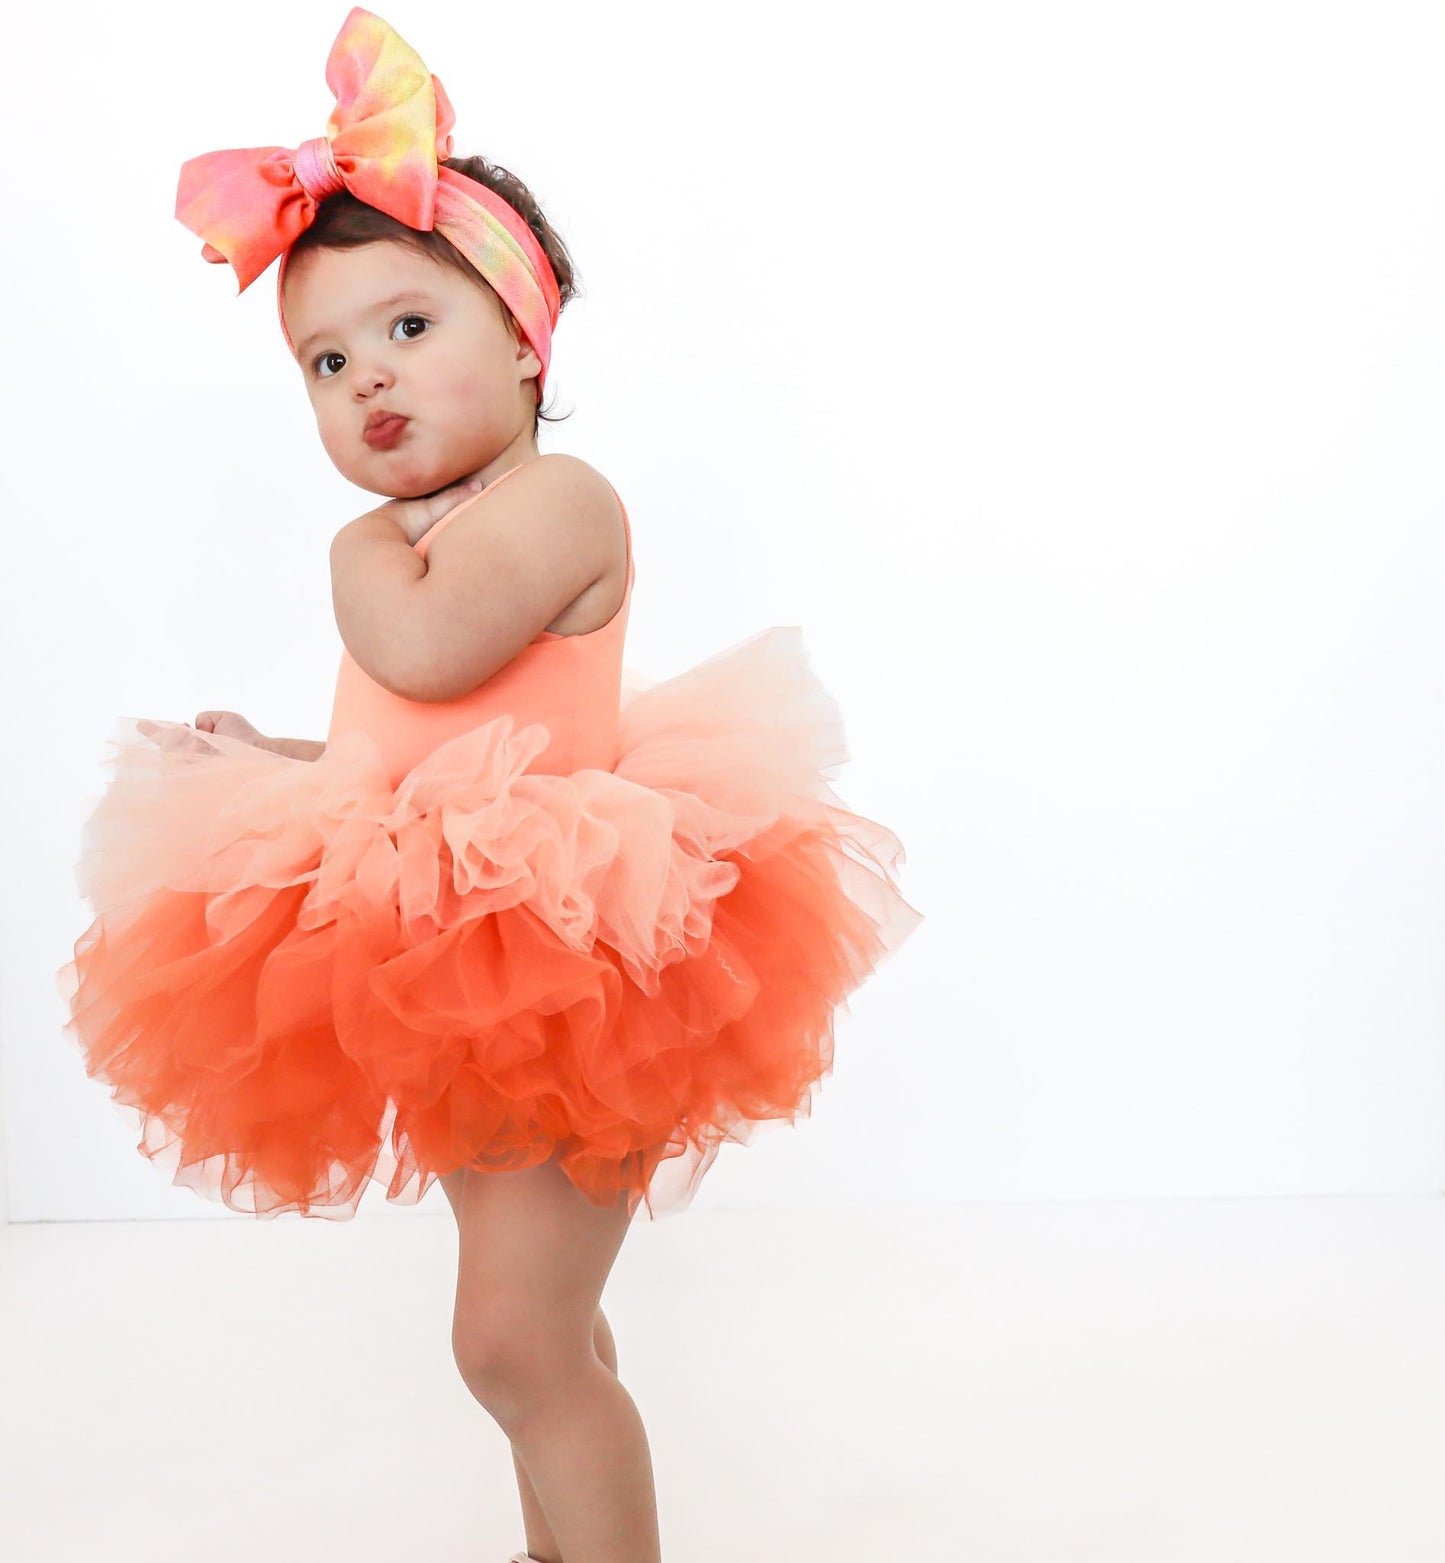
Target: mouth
{"points": [[386, 431]]}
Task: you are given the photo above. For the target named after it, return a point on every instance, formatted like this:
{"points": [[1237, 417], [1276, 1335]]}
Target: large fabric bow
{"points": [[391, 124]]}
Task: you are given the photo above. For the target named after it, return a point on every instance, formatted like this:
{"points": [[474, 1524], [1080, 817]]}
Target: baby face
{"points": [[383, 328]]}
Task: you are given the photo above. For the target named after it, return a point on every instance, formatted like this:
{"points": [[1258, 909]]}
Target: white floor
{"points": [[1234, 1381]]}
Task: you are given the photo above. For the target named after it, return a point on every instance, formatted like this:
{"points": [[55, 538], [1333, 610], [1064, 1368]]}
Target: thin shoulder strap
{"points": [[424, 541]]}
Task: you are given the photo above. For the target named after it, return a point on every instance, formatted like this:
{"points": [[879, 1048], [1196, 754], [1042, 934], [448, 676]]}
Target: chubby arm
{"points": [[433, 629], [374, 574], [374, 569]]}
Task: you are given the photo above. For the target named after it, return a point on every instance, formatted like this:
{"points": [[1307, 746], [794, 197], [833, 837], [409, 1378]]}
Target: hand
{"points": [[179, 736], [417, 516], [229, 724]]}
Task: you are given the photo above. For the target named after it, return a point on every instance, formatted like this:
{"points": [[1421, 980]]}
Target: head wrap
{"points": [[391, 124]]}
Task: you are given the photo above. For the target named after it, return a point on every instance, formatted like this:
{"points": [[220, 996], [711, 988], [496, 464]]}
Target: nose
{"points": [[370, 374]]}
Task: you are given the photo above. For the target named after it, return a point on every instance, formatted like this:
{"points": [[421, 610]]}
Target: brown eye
{"points": [[412, 336]]}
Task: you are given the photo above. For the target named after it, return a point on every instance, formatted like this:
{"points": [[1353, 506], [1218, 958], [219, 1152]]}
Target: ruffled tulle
{"points": [[299, 979]]}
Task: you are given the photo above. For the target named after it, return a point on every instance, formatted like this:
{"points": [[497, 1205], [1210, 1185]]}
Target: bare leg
{"points": [[534, 1255], [541, 1543]]}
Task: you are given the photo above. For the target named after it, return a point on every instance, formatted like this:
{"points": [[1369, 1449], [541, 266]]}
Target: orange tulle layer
{"points": [[302, 979]]}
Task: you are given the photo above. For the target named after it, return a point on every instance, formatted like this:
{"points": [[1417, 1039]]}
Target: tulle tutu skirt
{"points": [[300, 978]]}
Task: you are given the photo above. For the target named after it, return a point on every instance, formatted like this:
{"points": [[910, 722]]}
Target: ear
{"points": [[526, 353]]}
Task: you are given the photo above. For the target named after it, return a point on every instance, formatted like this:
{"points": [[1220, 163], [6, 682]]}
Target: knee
{"points": [[512, 1356]]}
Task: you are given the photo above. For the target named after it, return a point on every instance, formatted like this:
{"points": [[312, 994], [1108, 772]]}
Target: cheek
{"points": [[471, 398], [328, 423], [333, 436], [462, 379]]}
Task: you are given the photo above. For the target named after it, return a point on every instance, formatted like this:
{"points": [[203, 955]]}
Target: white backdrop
{"points": [[1074, 381]]}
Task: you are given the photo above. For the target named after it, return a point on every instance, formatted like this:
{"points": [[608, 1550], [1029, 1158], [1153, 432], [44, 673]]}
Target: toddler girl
{"points": [[518, 926]]}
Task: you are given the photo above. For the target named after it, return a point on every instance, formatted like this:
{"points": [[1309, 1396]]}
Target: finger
{"points": [[169, 732]]}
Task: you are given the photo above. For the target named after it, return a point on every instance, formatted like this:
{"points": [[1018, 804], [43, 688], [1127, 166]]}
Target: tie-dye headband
{"points": [[391, 125]]}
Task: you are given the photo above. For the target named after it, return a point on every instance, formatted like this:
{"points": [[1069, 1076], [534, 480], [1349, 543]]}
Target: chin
{"points": [[389, 486], [385, 490]]}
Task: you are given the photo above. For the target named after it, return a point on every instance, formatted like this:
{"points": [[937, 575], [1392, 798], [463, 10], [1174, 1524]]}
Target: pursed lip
{"points": [[383, 427], [380, 415]]}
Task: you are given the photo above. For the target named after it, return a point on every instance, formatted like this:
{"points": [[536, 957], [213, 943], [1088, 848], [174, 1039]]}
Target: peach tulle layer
{"points": [[300, 979]]}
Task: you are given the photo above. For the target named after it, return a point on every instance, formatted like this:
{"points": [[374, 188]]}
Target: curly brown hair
{"points": [[343, 222]]}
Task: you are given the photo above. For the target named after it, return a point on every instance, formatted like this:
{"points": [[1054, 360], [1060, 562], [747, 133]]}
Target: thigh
{"points": [[534, 1255]]}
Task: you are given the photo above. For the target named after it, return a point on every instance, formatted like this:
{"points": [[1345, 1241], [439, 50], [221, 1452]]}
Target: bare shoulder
{"points": [[576, 480], [546, 550], [560, 491], [555, 498], [561, 461]]}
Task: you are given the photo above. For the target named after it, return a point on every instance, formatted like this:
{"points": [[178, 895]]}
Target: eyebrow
{"points": [[381, 304]]}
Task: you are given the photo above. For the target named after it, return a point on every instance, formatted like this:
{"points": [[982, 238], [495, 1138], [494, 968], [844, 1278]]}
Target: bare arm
{"points": [[295, 748], [374, 572]]}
